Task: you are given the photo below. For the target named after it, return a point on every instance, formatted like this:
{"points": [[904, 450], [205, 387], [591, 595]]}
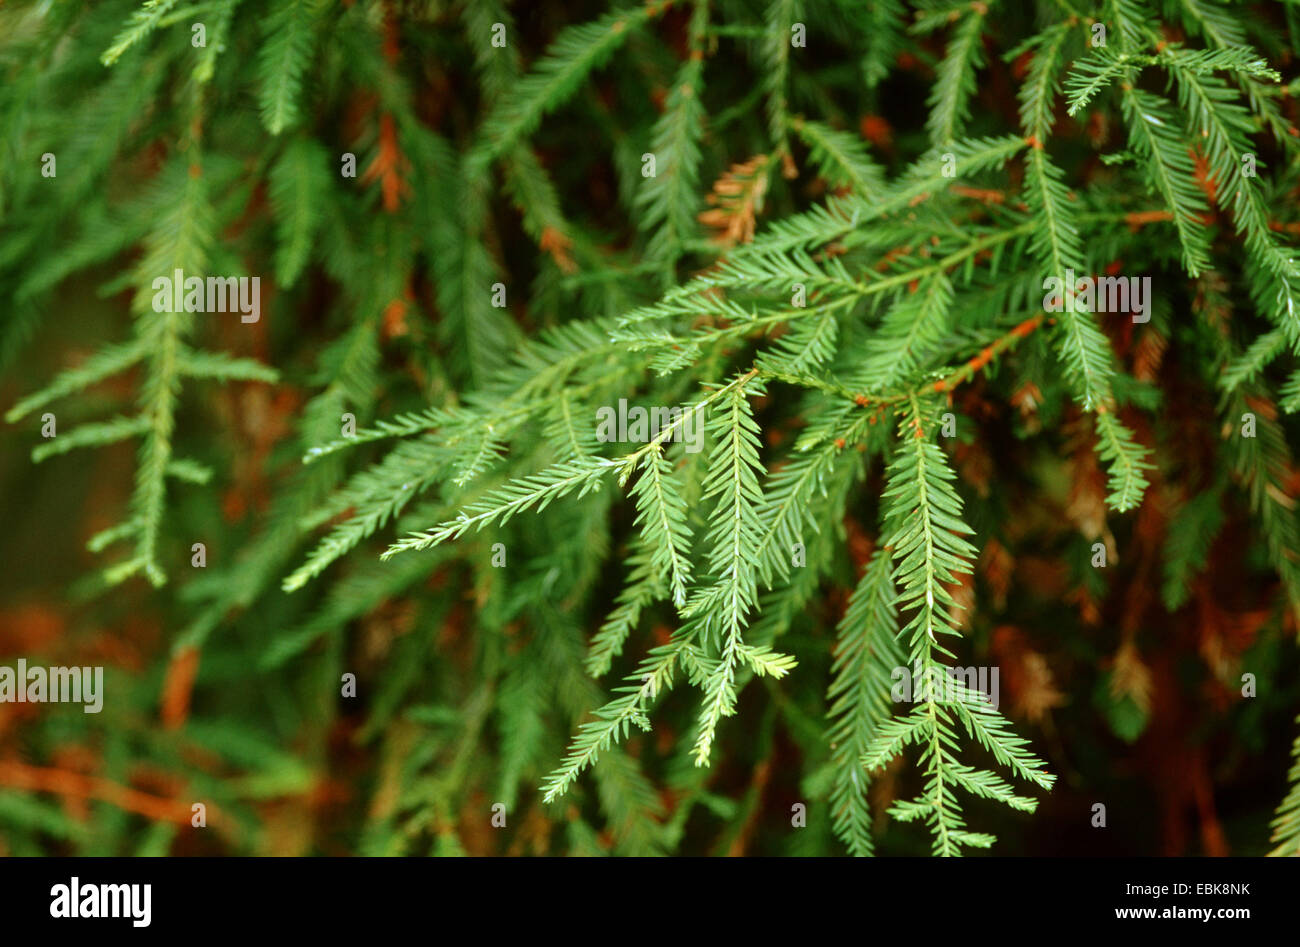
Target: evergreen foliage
{"points": [[833, 272]]}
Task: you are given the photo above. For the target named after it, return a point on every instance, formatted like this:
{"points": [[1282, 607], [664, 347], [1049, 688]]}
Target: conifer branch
{"points": [[1286, 822]]}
